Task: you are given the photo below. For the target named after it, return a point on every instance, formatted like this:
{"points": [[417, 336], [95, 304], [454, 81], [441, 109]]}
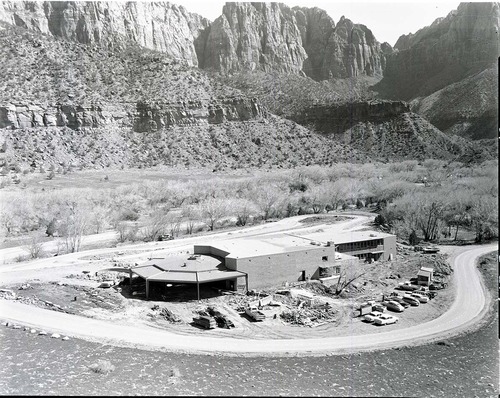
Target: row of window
{"points": [[366, 244]]}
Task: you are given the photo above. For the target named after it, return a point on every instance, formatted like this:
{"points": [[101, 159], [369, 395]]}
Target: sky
{"points": [[387, 20]]}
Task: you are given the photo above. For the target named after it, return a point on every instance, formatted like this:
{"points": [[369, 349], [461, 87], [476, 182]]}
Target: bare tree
{"points": [[213, 210], [156, 225], [344, 281], [98, 218], [34, 247], [243, 209], [73, 225], [191, 214]]}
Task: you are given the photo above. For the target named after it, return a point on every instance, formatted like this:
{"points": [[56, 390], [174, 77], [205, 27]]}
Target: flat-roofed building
{"points": [[271, 261], [361, 244], [193, 269]]}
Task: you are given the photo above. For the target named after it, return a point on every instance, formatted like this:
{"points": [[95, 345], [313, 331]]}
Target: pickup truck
{"points": [[254, 313]]}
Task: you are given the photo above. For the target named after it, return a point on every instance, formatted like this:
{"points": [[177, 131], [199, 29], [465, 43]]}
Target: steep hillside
{"points": [[159, 26], [467, 108], [409, 136], [64, 103], [452, 48], [289, 95]]}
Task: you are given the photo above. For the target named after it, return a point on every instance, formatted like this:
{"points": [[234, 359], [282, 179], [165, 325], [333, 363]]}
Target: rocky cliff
{"points": [[246, 37], [159, 26], [463, 43], [340, 51], [144, 117], [274, 37], [335, 119]]}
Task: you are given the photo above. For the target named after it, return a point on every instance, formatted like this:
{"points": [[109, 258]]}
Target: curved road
{"points": [[468, 308]]}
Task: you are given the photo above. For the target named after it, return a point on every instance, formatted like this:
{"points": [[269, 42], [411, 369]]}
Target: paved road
{"points": [[468, 308]]}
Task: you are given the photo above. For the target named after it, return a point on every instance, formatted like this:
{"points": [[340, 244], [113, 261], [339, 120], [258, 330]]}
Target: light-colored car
{"points": [[372, 316], [420, 297], [394, 306], [411, 300], [386, 319]]}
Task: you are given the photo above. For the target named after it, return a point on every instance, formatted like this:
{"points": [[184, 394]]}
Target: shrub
{"points": [[102, 366]]}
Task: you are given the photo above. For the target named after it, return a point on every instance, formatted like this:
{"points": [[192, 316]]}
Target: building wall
{"points": [[207, 249], [367, 246], [275, 269]]}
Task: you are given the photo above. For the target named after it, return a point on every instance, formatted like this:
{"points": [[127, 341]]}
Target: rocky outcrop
{"points": [[345, 50], [337, 119], [463, 43], [159, 26], [144, 117], [249, 36], [151, 117], [273, 37], [20, 116], [246, 37]]}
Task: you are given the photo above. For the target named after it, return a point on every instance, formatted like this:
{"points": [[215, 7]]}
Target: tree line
{"points": [[428, 199]]}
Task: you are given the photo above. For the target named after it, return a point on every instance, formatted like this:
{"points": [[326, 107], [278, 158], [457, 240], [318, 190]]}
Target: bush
{"points": [[102, 366]]}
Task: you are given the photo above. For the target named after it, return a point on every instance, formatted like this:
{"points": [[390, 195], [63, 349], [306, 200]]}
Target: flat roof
{"points": [[185, 262], [339, 237], [187, 268], [251, 247], [290, 242]]}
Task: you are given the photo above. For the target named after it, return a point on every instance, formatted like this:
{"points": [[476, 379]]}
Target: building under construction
{"points": [[258, 263]]}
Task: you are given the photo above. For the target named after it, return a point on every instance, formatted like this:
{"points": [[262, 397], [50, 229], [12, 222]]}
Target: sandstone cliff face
{"points": [[273, 37], [345, 50], [158, 26], [249, 36], [143, 117], [463, 43]]}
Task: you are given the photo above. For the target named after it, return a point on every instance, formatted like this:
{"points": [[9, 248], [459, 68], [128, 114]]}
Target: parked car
{"points": [[378, 307], [411, 300], [386, 319], [394, 306], [420, 297], [372, 316], [400, 300]]}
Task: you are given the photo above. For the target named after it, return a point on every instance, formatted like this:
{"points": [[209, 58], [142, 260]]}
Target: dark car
{"points": [[400, 301], [412, 300]]}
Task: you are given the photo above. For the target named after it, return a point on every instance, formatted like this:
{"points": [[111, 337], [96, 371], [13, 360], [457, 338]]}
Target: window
{"points": [[324, 258]]}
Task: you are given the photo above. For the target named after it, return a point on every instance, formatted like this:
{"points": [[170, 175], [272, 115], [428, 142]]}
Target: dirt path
{"points": [[468, 308]]}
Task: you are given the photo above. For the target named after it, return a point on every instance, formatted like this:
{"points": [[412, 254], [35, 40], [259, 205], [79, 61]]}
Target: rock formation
{"points": [[246, 37], [158, 26], [463, 43], [143, 118], [339, 118]]}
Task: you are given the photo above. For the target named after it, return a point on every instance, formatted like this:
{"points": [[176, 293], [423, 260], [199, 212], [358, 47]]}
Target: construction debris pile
{"points": [[310, 315]]}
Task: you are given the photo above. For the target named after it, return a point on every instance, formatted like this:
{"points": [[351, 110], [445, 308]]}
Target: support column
{"points": [[197, 286], [147, 289], [130, 277], [246, 281]]}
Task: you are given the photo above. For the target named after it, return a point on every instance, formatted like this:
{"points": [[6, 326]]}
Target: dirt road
{"points": [[468, 309]]}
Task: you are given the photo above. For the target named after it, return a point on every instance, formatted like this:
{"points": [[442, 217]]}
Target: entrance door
{"points": [[303, 276]]}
